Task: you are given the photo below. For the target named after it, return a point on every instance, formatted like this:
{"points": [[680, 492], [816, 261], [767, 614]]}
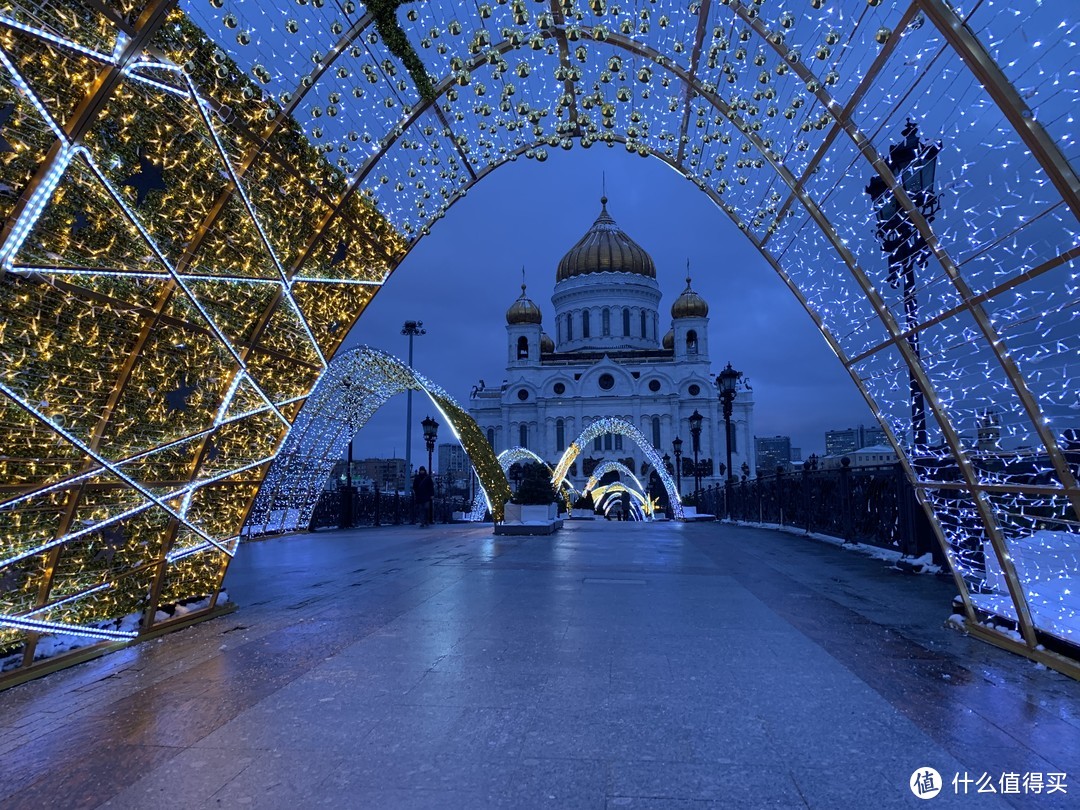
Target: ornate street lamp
{"points": [[431, 434], [695, 434], [726, 381], [411, 329], [914, 164], [676, 446]]}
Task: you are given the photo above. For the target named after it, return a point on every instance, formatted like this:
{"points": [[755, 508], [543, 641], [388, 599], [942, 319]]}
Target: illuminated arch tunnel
{"points": [[356, 385], [199, 199]]}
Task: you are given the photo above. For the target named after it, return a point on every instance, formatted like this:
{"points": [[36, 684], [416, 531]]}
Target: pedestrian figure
{"points": [[423, 492]]}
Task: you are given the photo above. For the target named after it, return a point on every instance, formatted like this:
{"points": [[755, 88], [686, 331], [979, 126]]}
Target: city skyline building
{"points": [[772, 452], [848, 440]]}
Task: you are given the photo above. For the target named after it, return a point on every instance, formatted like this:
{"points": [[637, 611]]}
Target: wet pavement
{"points": [[610, 665]]}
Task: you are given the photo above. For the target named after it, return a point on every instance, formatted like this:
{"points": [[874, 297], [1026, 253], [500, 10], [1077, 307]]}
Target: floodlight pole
{"points": [[412, 329]]}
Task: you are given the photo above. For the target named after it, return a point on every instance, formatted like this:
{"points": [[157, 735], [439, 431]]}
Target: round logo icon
{"points": [[925, 783]]}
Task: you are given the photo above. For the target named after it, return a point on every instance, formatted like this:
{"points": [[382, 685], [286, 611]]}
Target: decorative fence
{"points": [[377, 509], [872, 505]]}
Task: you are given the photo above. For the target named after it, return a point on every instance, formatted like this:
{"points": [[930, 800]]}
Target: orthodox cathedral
{"points": [[608, 358]]}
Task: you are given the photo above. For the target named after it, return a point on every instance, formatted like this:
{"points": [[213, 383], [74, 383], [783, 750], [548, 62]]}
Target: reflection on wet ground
{"points": [[610, 665]]}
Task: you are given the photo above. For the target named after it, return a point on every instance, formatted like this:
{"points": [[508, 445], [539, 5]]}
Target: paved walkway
{"points": [[613, 665]]}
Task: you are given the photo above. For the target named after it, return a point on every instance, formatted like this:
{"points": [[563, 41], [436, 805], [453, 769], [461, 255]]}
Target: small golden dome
{"points": [[669, 340], [605, 248], [689, 304], [547, 345], [523, 310]]}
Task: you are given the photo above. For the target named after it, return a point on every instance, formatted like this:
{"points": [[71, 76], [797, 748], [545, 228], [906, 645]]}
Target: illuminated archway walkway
{"points": [[201, 198], [611, 664], [356, 385]]}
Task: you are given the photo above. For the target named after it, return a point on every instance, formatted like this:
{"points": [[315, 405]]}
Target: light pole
{"points": [[695, 434], [726, 381], [412, 329], [914, 163], [676, 446], [431, 434]]}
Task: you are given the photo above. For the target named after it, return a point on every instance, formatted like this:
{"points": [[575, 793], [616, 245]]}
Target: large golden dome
{"points": [[605, 249], [689, 304], [523, 310]]}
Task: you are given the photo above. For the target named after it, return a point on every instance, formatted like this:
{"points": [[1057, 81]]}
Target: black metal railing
{"points": [[871, 505], [375, 508]]}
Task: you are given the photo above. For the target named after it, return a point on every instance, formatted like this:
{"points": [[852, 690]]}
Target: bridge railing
{"points": [[871, 505], [375, 508]]}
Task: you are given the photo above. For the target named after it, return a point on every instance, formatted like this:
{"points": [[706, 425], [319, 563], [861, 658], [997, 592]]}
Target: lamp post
{"points": [[411, 329], [695, 434], [914, 164], [431, 434], [676, 446], [726, 381]]}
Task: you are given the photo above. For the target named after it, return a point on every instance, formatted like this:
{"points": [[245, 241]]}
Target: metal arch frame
{"points": [[614, 425], [1023, 393], [893, 340], [363, 380], [151, 19]]}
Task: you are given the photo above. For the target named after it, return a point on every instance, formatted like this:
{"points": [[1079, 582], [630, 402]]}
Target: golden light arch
{"points": [[603, 468], [201, 202], [638, 499], [617, 426], [356, 385]]}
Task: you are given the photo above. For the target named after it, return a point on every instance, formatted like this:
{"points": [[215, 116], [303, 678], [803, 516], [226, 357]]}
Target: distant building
{"points": [[387, 473], [843, 442], [453, 461], [454, 468], [873, 456], [772, 452]]}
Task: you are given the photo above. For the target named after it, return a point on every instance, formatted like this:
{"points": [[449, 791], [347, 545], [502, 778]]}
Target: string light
{"points": [[159, 339]]}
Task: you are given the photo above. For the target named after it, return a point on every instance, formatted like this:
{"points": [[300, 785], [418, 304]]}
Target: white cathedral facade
{"points": [[609, 358]]}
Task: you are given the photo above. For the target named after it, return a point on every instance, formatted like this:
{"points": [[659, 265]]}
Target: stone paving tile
{"points": [[393, 668], [187, 780], [560, 784], [732, 786]]}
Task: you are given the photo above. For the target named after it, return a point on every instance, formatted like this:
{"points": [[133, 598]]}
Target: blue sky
{"points": [[460, 280]]}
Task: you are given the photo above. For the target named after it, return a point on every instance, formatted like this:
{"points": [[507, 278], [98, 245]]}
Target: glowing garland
{"points": [[331, 147]]}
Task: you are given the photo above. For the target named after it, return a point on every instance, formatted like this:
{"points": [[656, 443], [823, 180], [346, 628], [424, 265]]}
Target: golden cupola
{"points": [[605, 248]]}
